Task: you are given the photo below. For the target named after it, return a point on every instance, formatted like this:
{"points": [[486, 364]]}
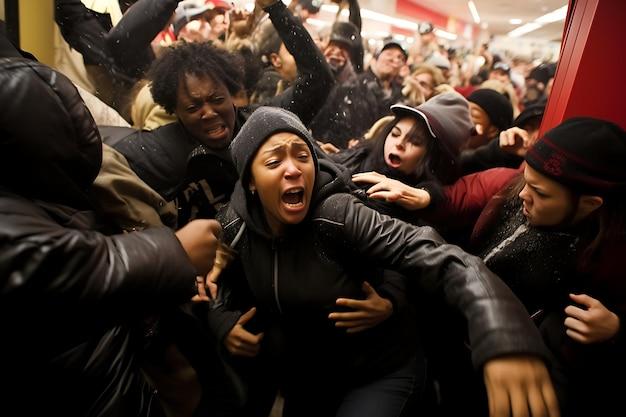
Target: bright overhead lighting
{"points": [[316, 22], [515, 21], [444, 34], [401, 23], [555, 16], [473, 11], [524, 29]]}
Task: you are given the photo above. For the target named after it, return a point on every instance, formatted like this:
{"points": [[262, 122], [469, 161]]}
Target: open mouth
{"points": [[293, 197], [394, 160], [216, 130]]}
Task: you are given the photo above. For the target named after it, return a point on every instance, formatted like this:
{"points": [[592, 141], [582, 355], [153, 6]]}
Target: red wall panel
{"points": [[590, 76]]}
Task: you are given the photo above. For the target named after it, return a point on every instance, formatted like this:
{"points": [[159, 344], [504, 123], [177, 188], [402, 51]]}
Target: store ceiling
{"points": [[496, 13]]}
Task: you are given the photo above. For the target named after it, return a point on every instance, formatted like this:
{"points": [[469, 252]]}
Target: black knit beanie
{"points": [[584, 154], [496, 105], [263, 123]]}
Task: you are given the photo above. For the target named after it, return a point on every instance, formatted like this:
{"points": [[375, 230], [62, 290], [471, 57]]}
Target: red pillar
{"points": [[591, 75]]}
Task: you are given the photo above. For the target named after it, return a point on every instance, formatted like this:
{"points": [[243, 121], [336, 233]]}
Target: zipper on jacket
{"points": [[280, 310]]}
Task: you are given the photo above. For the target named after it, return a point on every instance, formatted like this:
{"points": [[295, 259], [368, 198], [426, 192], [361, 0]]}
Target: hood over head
{"points": [[50, 147], [263, 123]]}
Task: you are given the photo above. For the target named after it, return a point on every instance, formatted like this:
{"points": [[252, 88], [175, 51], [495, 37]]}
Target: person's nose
{"points": [[292, 170], [524, 194], [208, 111]]}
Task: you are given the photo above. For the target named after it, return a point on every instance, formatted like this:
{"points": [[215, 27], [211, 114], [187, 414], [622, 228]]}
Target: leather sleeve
{"points": [[498, 324], [69, 267]]}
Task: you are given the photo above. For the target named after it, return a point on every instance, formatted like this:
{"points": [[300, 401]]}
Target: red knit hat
{"points": [[585, 154]]}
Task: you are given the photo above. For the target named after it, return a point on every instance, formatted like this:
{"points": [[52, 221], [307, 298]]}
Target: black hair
{"points": [[375, 160], [193, 58]]}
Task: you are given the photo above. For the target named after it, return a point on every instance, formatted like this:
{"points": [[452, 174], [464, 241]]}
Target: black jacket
{"points": [[72, 296], [178, 167], [352, 108], [294, 282]]}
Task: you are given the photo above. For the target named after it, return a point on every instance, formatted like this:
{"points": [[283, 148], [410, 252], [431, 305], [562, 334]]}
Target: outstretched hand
{"points": [[367, 313], [519, 386], [393, 191], [239, 341], [594, 324]]}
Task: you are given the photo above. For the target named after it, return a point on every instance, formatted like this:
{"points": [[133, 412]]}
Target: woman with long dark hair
{"points": [[406, 163]]}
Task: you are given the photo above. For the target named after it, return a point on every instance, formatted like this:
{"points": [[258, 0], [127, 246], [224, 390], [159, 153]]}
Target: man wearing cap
{"points": [[501, 71], [427, 42], [344, 52], [353, 107]]}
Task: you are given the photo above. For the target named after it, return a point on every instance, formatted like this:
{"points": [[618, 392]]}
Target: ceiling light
{"points": [[473, 11], [554, 16], [515, 21], [522, 30], [444, 34]]}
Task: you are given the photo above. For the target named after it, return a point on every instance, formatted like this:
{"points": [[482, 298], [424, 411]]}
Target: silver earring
{"points": [[252, 191]]}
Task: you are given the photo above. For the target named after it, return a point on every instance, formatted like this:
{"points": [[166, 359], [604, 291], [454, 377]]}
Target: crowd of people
{"points": [[209, 211]]}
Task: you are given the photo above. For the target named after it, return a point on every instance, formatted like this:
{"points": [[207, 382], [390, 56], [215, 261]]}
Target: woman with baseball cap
{"points": [[412, 156]]}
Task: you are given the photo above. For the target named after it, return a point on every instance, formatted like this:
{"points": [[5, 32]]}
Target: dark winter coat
{"points": [[201, 179], [542, 267], [72, 297], [294, 281], [352, 108]]}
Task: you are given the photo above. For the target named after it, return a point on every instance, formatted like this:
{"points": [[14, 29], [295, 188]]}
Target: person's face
{"points": [[500, 76], [219, 23], [205, 108], [336, 55], [389, 63], [426, 84], [288, 69], [401, 152], [283, 175], [545, 201], [482, 124]]}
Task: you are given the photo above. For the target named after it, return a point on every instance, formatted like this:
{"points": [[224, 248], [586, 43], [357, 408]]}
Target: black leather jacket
{"points": [[294, 281], [72, 297]]}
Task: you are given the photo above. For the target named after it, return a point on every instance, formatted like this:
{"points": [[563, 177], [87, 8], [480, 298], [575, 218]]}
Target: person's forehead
{"points": [[392, 50]]}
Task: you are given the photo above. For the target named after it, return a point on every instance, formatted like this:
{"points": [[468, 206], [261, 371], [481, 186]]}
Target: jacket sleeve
{"points": [[497, 322], [55, 265], [129, 41], [314, 80], [468, 196], [487, 156]]}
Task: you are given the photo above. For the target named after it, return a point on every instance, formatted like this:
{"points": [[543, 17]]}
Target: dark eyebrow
{"points": [[274, 149]]}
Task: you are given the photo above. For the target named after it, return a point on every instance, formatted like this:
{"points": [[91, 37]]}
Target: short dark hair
{"points": [[193, 58]]}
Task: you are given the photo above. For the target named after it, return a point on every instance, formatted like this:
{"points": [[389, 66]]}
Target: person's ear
{"points": [[275, 60], [252, 187], [588, 204]]}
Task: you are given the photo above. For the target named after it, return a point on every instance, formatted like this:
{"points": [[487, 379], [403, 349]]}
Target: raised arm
{"points": [[315, 79], [129, 41]]}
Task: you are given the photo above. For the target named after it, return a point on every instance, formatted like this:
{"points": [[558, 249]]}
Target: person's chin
{"points": [[220, 141]]}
